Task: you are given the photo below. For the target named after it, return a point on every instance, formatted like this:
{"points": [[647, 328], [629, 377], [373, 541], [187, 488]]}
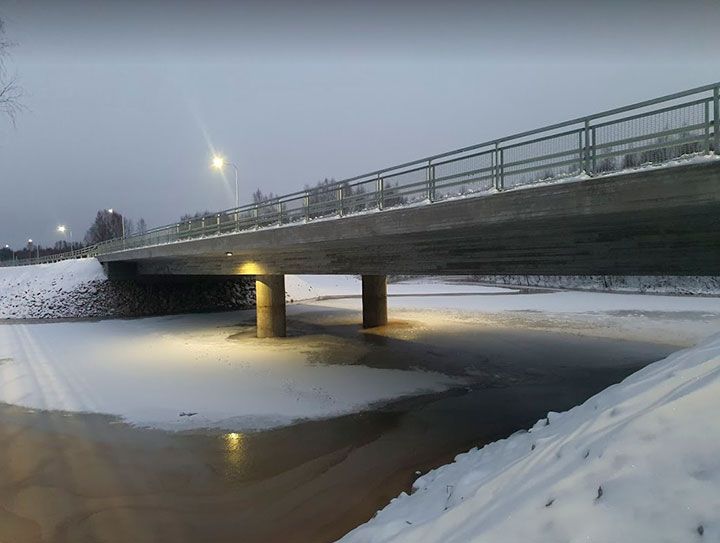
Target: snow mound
{"points": [[640, 461]]}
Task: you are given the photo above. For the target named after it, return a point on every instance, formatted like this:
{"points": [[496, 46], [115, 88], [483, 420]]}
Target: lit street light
{"points": [[122, 222], [218, 163], [7, 248], [37, 248], [65, 230]]}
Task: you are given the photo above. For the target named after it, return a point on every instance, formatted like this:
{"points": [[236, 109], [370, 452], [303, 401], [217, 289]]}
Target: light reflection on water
{"points": [[235, 453]]}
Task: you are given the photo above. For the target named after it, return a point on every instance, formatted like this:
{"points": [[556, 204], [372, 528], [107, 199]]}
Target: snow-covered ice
{"points": [[151, 370], [638, 462], [308, 287]]}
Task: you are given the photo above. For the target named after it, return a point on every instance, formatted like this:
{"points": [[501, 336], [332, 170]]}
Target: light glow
{"points": [[218, 162]]}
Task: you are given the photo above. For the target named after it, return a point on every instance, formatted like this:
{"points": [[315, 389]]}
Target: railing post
{"points": [[494, 167], [256, 213], [280, 212], [593, 153], [716, 119], [501, 170], [586, 165], [706, 143], [218, 223], [306, 205], [341, 200], [380, 192], [430, 180]]}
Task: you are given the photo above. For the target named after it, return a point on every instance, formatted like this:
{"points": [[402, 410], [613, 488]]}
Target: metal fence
{"points": [[679, 125]]}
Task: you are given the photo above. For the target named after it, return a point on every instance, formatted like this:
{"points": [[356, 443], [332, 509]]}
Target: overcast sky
{"points": [[127, 100]]}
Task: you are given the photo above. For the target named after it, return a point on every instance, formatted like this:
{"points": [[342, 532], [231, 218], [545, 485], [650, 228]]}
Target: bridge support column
{"points": [[374, 300], [270, 305]]}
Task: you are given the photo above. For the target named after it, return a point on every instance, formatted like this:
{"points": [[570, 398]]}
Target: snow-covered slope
{"points": [[638, 462], [46, 290], [49, 280]]}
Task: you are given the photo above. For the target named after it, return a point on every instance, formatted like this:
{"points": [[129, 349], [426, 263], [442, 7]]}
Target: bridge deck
{"points": [[649, 222]]}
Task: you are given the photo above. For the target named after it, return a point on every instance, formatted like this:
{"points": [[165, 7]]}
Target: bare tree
{"points": [[10, 91], [141, 227], [107, 225]]}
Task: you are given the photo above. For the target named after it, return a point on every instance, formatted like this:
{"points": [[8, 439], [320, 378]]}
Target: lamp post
{"points": [[67, 232], [218, 163], [12, 252], [122, 221], [37, 249]]}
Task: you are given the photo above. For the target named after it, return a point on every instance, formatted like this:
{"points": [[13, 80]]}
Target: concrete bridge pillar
{"points": [[374, 299], [270, 305]]}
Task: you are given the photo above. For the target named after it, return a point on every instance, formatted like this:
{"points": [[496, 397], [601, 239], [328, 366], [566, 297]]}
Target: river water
{"points": [[82, 477]]}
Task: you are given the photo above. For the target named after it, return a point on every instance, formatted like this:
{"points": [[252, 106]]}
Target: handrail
{"points": [[651, 135]]}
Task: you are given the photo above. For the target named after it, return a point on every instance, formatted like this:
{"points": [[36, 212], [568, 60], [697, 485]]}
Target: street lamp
{"points": [[218, 162], [7, 248], [122, 222], [37, 248], [65, 230]]}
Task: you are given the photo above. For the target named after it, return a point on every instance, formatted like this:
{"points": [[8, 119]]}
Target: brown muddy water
{"points": [[91, 478]]}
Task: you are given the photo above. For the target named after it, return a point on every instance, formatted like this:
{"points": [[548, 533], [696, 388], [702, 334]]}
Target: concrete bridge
{"points": [[663, 221], [629, 191]]}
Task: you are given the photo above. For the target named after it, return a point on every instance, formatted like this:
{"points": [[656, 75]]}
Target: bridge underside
{"points": [[662, 221]]}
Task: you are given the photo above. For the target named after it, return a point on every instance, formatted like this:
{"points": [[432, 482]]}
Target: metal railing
{"points": [[679, 125]]}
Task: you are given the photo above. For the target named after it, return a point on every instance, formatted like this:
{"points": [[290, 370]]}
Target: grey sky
{"points": [[127, 99]]}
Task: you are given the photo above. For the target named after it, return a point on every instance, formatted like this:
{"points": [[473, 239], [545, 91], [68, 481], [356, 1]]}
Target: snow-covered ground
{"points": [[638, 462]]}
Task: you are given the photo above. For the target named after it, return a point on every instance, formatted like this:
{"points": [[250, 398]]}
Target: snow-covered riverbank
{"points": [[637, 462]]}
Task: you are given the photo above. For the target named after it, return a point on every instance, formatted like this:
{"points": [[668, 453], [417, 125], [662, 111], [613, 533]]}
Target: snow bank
{"points": [[664, 284], [639, 462]]}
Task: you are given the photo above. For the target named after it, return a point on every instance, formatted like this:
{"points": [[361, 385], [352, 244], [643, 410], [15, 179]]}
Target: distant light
{"points": [[218, 162], [7, 246], [29, 241], [110, 210], [61, 229], [228, 253]]}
